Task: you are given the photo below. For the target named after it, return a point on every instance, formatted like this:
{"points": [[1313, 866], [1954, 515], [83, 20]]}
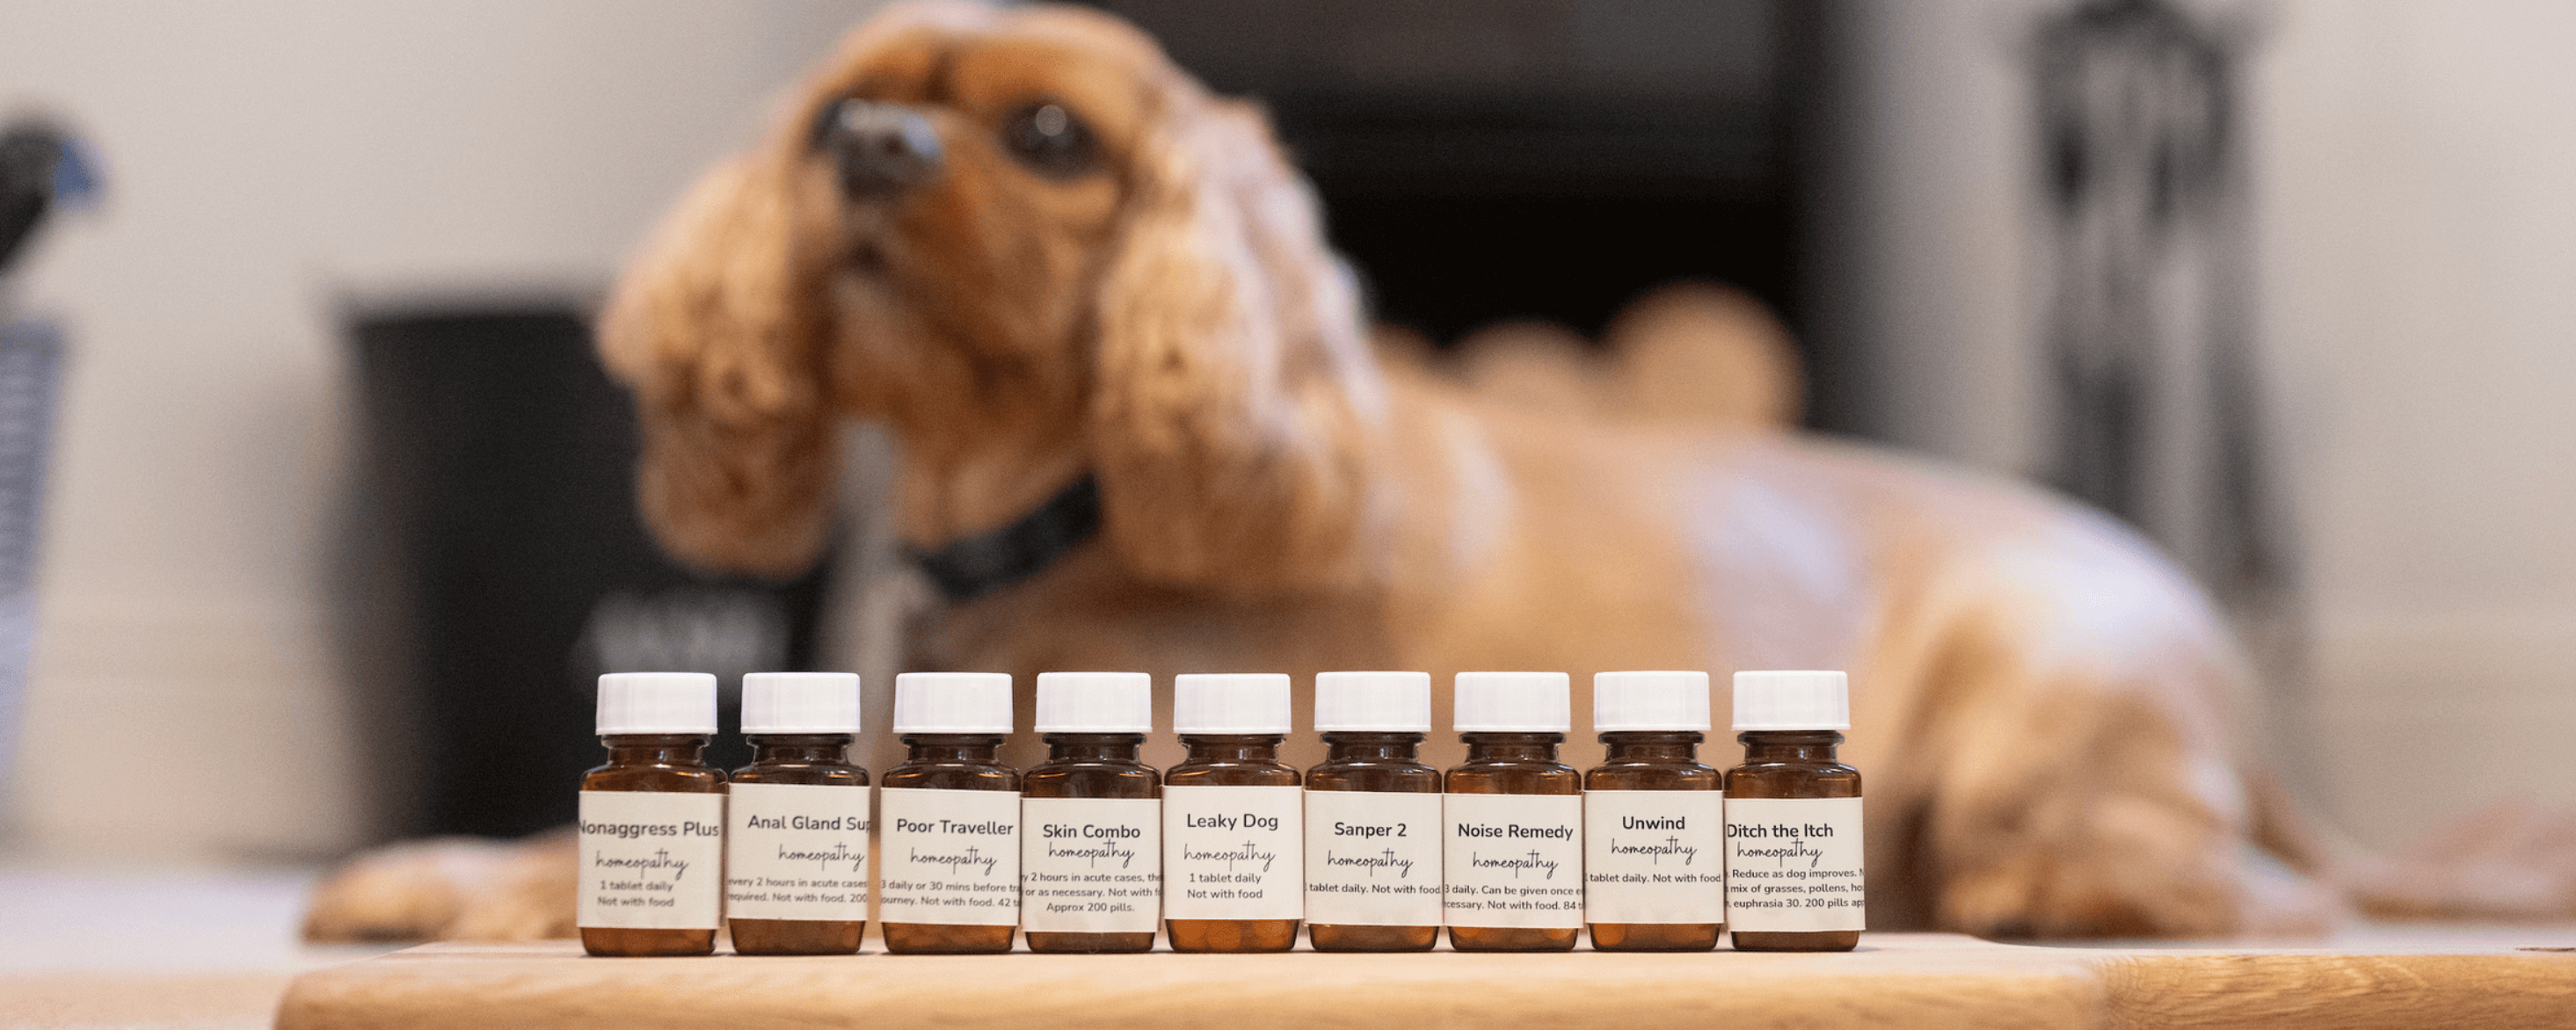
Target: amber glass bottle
{"points": [[796, 851], [652, 820], [1234, 833], [1653, 835], [1793, 817], [1514, 817], [1373, 816], [949, 819], [1090, 820]]}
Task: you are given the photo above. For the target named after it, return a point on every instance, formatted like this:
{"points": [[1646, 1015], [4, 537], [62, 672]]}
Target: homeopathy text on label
{"points": [[651, 860], [950, 857], [1372, 858], [1654, 856], [797, 851], [1091, 865], [1793, 864], [1233, 852], [1513, 860]]}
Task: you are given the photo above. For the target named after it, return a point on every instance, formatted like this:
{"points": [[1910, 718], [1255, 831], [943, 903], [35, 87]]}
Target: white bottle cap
{"points": [[1800, 700], [1230, 702], [1665, 701], [1513, 702], [657, 702], [952, 702], [1372, 702], [800, 702], [1095, 702]]}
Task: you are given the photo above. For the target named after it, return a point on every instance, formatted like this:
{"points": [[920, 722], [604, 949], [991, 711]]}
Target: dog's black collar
{"points": [[980, 564]]}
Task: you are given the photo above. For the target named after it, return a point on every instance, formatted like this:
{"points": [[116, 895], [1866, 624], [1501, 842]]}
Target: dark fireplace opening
{"points": [[1526, 159]]}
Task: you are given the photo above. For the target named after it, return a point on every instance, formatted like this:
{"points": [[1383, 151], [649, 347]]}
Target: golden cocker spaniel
{"points": [[1071, 280]]}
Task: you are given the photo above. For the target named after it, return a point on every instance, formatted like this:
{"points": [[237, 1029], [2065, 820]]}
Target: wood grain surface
{"points": [[1907, 980]]}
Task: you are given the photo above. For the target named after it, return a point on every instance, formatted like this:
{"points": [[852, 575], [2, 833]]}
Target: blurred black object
{"points": [[1524, 158], [2136, 107], [31, 363], [2155, 391], [41, 166], [28, 153], [2155, 394], [509, 567]]}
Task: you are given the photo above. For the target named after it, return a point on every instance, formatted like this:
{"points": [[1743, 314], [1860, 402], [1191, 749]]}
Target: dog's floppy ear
{"points": [[713, 328], [1234, 398]]}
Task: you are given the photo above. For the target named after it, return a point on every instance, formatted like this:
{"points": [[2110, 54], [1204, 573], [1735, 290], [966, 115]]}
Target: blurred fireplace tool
{"points": [[42, 168], [2156, 398]]}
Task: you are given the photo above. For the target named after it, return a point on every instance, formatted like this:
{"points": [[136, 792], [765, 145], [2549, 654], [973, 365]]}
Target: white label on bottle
{"points": [[651, 860], [1234, 852], [1091, 865], [1514, 860], [951, 857], [796, 851], [1793, 864], [1372, 858], [1654, 856]]}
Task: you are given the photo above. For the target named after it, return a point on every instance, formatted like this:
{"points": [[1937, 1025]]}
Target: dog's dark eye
{"points": [[1048, 138]]}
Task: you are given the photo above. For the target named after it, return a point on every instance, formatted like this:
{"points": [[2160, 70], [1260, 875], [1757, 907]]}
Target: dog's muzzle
{"points": [[880, 148]]}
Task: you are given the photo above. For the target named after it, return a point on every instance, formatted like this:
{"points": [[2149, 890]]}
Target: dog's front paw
{"points": [[2511, 860], [2113, 867], [449, 888], [532, 897]]}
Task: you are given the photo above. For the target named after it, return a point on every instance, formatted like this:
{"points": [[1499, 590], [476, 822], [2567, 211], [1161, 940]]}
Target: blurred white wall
{"points": [[2413, 171], [2417, 183], [265, 159]]}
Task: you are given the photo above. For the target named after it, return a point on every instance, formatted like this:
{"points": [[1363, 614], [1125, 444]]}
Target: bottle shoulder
{"points": [[951, 776], [1514, 777], [1091, 779], [1392, 776], [1827, 768], [1092, 765], [810, 774], [1660, 775], [1775, 780], [1499, 765], [676, 779], [1232, 774]]}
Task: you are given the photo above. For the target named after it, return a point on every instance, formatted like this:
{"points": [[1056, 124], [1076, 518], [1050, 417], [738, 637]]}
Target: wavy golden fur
{"points": [[2039, 699]]}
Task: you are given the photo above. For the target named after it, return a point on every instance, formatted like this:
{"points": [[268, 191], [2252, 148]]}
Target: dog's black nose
{"points": [[880, 148]]}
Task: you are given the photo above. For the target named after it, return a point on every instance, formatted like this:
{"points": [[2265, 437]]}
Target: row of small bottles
{"points": [[1231, 850]]}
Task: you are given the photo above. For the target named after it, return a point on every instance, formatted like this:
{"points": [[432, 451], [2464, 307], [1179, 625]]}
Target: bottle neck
{"points": [[1232, 747], [1093, 747], [1512, 747], [799, 748], [953, 748], [1652, 745], [1789, 745], [1373, 747], [656, 748]]}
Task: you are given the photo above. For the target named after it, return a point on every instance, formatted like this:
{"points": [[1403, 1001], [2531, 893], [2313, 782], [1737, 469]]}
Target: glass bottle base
{"points": [[1512, 938], [1654, 936], [622, 942], [946, 939], [1797, 940], [797, 936], [1353, 937], [1090, 943], [1231, 936]]}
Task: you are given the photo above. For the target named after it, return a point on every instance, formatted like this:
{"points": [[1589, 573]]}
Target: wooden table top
{"points": [[1897, 980]]}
